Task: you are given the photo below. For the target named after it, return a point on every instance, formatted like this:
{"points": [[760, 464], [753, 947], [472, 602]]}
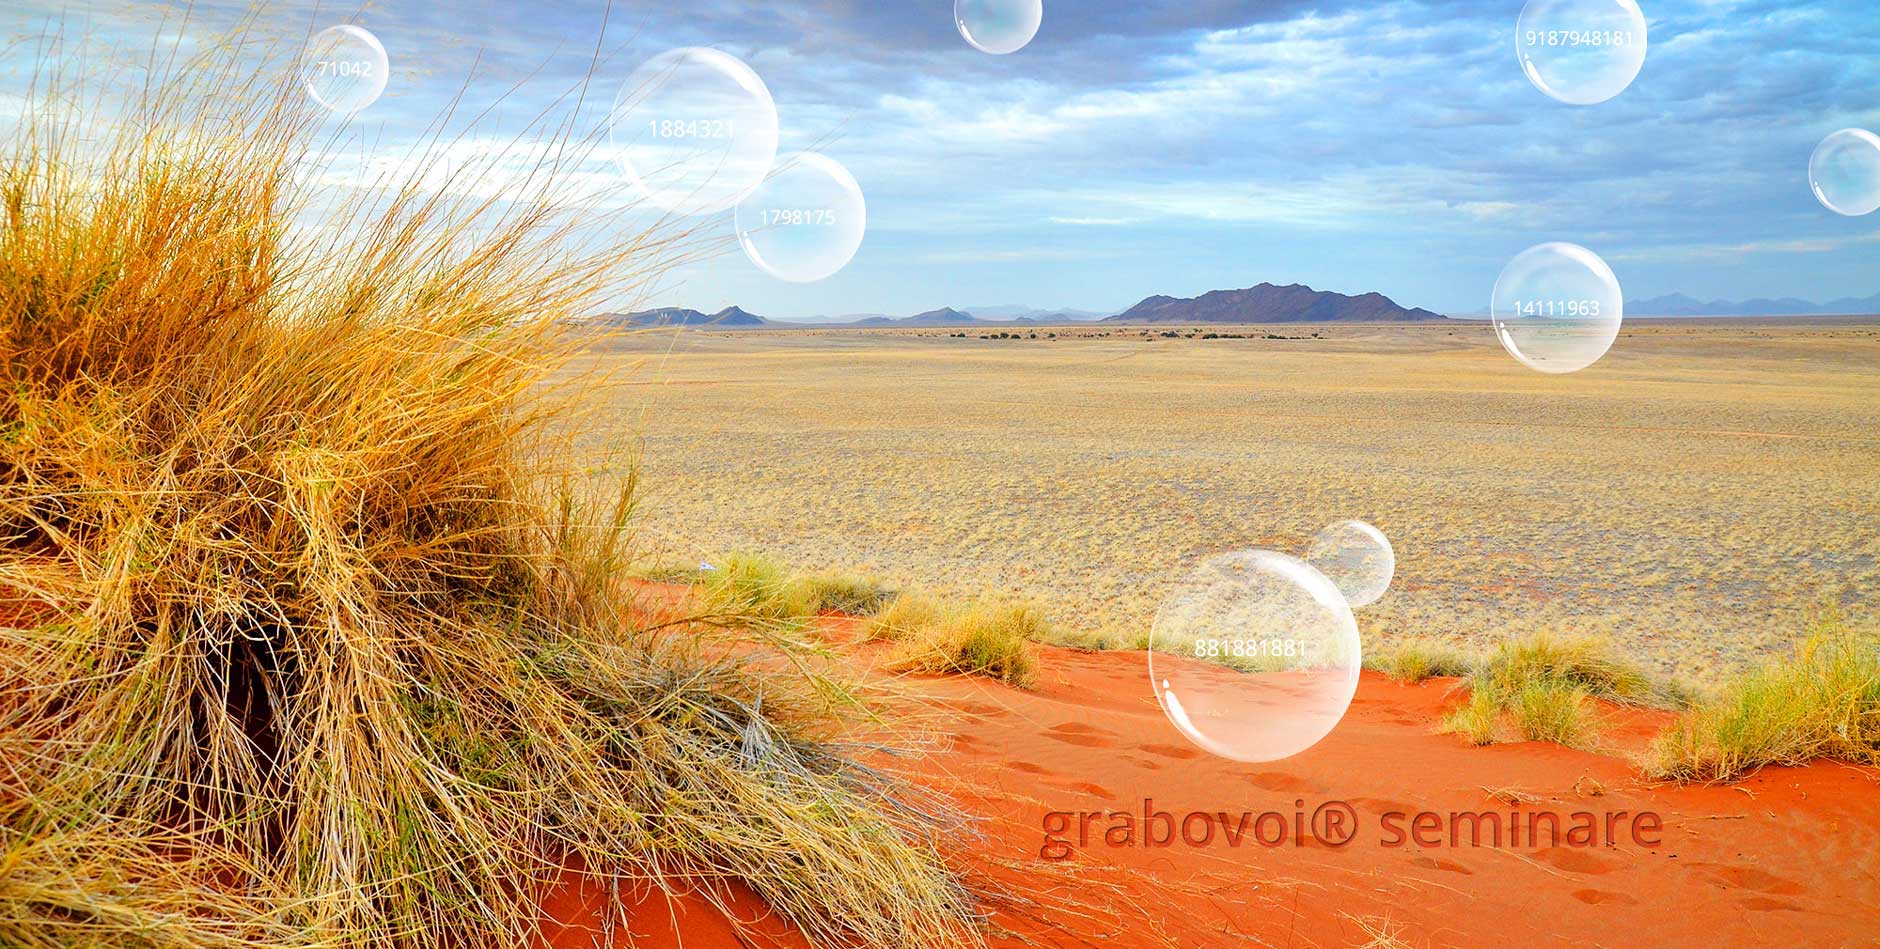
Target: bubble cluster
{"points": [[344, 68], [1255, 656], [998, 26], [805, 221], [695, 130], [1581, 52], [1844, 172], [1557, 307], [1357, 558]]}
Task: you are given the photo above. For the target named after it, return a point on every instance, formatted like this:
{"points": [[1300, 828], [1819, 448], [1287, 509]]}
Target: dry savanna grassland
{"points": [[1693, 497]]}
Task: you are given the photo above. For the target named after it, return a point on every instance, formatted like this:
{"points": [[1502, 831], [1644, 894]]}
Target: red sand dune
{"points": [[1788, 857]]}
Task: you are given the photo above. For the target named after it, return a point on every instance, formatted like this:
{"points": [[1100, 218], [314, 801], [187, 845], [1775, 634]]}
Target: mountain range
{"points": [[1678, 304], [1266, 303]]}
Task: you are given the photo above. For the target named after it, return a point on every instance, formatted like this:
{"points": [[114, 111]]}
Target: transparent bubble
{"points": [[1255, 656], [1845, 172], [1581, 52], [805, 221], [344, 68], [1557, 307], [998, 26], [1357, 558], [695, 130]]}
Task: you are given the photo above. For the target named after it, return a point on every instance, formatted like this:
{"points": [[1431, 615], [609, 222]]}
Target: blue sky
{"points": [[1138, 148]]}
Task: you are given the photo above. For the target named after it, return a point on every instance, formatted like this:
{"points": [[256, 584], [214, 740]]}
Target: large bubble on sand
{"points": [[695, 130], [1357, 558], [1255, 656], [1581, 52], [1557, 307]]}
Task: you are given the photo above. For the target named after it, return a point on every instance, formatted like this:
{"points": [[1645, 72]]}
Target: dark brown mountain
{"points": [[1267, 303]]}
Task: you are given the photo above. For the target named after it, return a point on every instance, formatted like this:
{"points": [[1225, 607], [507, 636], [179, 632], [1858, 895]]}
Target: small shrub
{"points": [[1587, 662], [1477, 720], [754, 585], [904, 617], [1552, 711], [1417, 661], [1823, 703], [992, 640], [849, 593]]}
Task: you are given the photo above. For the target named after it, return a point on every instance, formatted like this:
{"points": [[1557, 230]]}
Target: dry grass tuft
{"points": [[1543, 686], [755, 586], [1418, 661], [992, 639], [1552, 711], [307, 647], [1822, 703]]}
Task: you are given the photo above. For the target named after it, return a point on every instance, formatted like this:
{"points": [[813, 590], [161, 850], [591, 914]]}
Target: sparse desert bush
{"points": [[1823, 702], [759, 586], [1541, 685], [1552, 711], [992, 639], [1416, 661], [905, 617], [1589, 662], [843, 592], [303, 643], [1478, 720], [754, 585]]}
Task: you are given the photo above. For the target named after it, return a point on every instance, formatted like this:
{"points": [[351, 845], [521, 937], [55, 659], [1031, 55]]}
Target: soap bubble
{"points": [[1845, 172], [998, 26], [1557, 307], [344, 68], [805, 221], [1357, 558], [695, 130], [1255, 656], [1581, 52]]}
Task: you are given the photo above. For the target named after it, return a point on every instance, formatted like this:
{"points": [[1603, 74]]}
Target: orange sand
{"points": [[1788, 857]]}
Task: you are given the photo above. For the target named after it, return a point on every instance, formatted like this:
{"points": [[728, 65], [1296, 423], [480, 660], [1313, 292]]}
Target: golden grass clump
{"points": [[761, 587], [1417, 660], [1542, 686], [1824, 702], [1553, 711], [299, 644], [992, 639]]}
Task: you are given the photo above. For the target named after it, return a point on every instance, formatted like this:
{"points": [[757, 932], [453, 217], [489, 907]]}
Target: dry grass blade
{"points": [[304, 647]]}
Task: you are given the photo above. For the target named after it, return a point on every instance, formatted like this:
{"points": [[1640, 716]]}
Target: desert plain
{"points": [[1694, 496]]}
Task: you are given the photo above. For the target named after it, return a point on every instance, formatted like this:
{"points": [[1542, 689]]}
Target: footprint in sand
{"points": [[1085, 787], [1086, 736], [1170, 751], [1377, 805], [1596, 897], [1447, 866], [1027, 767], [1748, 878], [1765, 904], [1281, 781], [1575, 860]]}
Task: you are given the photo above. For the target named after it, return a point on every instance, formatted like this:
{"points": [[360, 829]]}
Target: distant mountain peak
{"points": [[1272, 303]]}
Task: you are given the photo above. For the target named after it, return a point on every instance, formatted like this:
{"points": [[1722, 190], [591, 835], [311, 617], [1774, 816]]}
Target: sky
{"points": [[1138, 148]]}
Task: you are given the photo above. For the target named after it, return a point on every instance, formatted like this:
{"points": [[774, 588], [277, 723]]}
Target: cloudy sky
{"points": [[1141, 147]]}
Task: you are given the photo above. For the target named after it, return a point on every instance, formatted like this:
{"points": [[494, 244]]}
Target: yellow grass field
{"points": [[1695, 495]]}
